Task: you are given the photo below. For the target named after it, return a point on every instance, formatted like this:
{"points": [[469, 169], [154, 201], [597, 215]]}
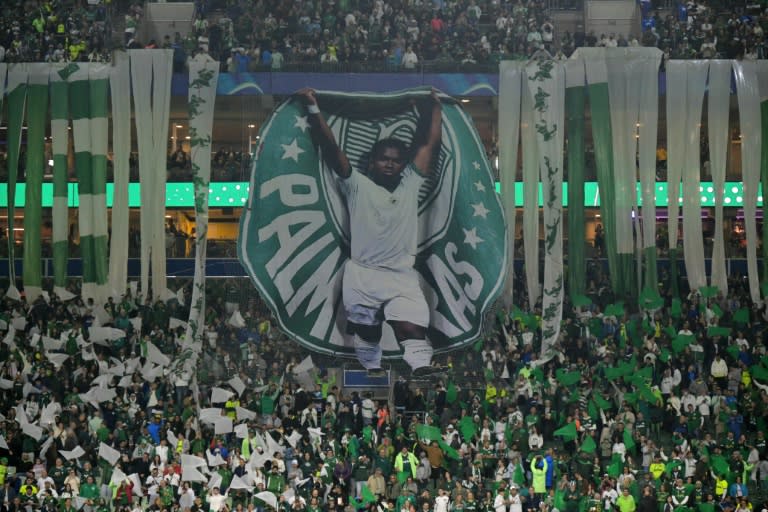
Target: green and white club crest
{"points": [[294, 231]]}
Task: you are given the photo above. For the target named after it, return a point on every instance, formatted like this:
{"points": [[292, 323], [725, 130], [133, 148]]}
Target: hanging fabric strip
{"points": [[574, 106], [203, 78], [748, 92], [676, 115], [530, 151], [510, 76], [151, 102], [17, 97], [79, 97], [762, 79], [648, 131], [59, 147], [3, 75], [623, 73], [141, 71], [37, 110], [718, 103], [120, 85], [162, 72], [693, 239], [98, 77], [597, 78], [546, 87]]}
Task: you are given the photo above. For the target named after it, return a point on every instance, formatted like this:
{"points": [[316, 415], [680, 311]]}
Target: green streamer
{"points": [[37, 108]]}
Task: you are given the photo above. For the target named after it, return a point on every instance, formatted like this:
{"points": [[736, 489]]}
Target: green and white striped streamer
{"points": [[151, 81], [597, 79], [17, 97], [60, 146], [120, 83], [80, 108], [574, 106], [510, 76], [546, 88], [748, 91], [37, 110], [530, 150], [98, 78], [203, 78]]}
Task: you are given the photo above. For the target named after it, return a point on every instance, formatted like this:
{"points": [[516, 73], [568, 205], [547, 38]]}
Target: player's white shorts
{"points": [[372, 295]]}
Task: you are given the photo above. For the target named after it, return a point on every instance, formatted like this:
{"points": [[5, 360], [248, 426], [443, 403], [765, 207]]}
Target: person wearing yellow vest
{"points": [[721, 488], [539, 470], [231, 406], [406, 462], [626, 502], [3, 469], [657, 468], [490, 393]]}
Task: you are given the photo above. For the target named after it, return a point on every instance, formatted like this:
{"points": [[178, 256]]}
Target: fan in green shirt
{"points": [[89, 490]]}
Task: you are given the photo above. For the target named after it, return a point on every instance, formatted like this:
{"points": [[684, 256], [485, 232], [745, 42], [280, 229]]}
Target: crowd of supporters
{"points": [[372, 35], [379, 35], [56, 30], [660, 411]]}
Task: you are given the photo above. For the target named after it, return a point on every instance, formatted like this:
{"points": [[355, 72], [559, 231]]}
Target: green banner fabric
{"points": [[17, 97], [98, 78], [295, 231], [574, 108], [59, 95], [37, 110], [601, 133], [79, 97]]}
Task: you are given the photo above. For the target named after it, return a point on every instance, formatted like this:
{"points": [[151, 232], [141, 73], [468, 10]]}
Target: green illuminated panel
{"points": [[235, 194]]}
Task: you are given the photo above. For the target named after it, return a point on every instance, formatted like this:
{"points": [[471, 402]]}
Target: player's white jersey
{"points": [[383, 224]]}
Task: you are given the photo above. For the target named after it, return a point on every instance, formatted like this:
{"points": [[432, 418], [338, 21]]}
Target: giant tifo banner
{"points": [[294, 233]]}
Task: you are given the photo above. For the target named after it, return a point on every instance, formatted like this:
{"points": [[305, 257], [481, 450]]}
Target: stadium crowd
{"points": [[370, 35], [661, 411]]}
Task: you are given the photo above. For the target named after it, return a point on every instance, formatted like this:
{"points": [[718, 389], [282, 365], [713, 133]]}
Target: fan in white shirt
{"points": [[442, 501]]}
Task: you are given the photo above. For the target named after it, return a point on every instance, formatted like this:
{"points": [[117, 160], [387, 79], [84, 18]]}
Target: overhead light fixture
{"points": [[251, 126], [179, 126], [465, 100], [187, 137]]}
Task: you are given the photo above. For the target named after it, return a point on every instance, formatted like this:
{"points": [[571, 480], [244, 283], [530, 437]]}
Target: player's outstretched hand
{"points": [[307, 94]]}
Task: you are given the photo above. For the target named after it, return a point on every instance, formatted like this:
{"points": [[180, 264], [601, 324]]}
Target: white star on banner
{"points": [[478, 185], [471, 238], [292, 150], [301, 123], [476, 165], [480, 210]]}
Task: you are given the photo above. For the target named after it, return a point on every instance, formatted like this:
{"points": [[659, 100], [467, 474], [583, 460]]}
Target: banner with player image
{"points": [[295, 230]]}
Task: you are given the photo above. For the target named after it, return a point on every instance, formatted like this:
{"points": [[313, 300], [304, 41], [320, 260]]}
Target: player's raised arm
{"points": [[425, 148], [323, 136]]}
